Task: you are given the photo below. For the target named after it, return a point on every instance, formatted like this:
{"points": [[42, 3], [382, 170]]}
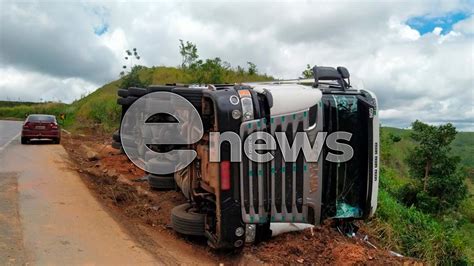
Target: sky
{"points": [[417, 56]]}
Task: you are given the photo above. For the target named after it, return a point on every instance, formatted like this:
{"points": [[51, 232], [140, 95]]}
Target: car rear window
{"points": [[42, 118]]}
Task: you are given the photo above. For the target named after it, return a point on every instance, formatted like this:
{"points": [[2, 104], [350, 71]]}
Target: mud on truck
{"points": [[232, 202]]}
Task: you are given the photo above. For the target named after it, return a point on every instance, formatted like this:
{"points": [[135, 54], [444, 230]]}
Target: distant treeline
{"points": [[16, 103]]}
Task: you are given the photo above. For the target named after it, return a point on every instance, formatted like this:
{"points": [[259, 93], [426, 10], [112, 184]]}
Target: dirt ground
{"points": [[145, 213]]}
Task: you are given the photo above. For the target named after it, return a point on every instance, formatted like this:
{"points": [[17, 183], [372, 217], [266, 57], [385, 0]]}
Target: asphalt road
{"points": [[47, 214], [9, 130]]}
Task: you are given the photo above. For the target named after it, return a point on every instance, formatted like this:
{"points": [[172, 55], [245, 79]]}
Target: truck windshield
{"points": [[346, 183]]}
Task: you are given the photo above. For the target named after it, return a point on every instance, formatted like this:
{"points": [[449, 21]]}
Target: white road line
{"points": [[6, 144]]}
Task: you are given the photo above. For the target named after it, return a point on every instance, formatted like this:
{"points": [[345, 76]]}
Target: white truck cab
{"points": [[227, 196]]}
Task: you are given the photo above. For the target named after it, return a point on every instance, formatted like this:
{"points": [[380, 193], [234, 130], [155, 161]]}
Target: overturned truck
{"points": [[234, 200]]}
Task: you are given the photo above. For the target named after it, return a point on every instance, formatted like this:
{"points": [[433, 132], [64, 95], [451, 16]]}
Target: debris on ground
{"points": [[112, 177]]}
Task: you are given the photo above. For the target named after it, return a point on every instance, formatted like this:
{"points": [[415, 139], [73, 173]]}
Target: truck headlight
{"points": [[247, 104]]}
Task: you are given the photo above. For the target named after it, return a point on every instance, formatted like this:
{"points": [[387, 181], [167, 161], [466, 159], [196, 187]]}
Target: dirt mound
{"points": [[323, 245], [114, 178]]}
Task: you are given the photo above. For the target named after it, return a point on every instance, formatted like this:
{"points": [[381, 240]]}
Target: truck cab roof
{"points": [[290, 98]]}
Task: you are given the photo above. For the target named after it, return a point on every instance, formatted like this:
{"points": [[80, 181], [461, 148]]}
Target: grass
{"points": [[21, 111], [398, 150], [99, 110], [415, 234], [463, 146], [438, 240], [468, 230]]}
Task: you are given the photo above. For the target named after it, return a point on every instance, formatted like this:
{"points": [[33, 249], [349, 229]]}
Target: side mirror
{"points": [[330, 73], [344, 72]]}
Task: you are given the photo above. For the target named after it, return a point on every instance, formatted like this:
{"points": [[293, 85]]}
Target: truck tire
{"points": [[134, 91], [149, 155], [24, 140], [161, 182], [116, 145], [158, 163], [126, 101], [122, 93], [185, 220], [155, 88], [128, 141], [116, 136]]}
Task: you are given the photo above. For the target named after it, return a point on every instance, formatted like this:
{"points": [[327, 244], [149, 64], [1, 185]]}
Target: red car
{"points": [[40, 127]]}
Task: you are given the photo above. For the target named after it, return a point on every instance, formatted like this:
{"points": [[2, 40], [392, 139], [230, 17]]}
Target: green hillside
{"points": [[462, 146], [405, 229], [393, 218], [99, 109]]}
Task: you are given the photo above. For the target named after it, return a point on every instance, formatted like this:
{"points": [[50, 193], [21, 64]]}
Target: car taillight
{"points": [[54, 126], [225, 175], [26, 125]]}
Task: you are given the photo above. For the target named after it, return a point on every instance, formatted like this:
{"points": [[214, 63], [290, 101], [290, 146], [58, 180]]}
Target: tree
{"points": [[240, 70], [188, 53], [394, 138], [441, 183], [210, 71], [433, 146], [132, 79], [308, 72], [129, 55], [252, 68]]}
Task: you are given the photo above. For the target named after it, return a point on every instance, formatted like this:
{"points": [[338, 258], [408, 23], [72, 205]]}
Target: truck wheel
{"points": [[126, 101], [122, 93], [161, 182], [158, 163], [185, 220], [134, 91], [116, 145], [57, 141], [155, 88], [24, 140]]}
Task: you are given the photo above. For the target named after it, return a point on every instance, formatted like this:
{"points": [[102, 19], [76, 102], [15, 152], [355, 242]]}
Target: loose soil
{"points": [[145, 214]]}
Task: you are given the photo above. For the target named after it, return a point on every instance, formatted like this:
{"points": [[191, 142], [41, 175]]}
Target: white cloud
{"points": [[427, 77], [404, 31], [19, 85], [465, 26]]}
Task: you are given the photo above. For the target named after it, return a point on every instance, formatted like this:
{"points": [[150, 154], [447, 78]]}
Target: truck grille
{"points": [[277, 190]]}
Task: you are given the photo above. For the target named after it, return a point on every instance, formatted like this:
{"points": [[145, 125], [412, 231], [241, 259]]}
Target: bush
{"points": [[408, 193], [21, 111], [413, 233], [101, 111], [443, 187]]}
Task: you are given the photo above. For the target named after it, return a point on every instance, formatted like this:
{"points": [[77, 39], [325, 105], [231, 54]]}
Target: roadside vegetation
{"points": [[99, 110], [426, 212], [426, 202], [20, 111], [16, 103]]}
